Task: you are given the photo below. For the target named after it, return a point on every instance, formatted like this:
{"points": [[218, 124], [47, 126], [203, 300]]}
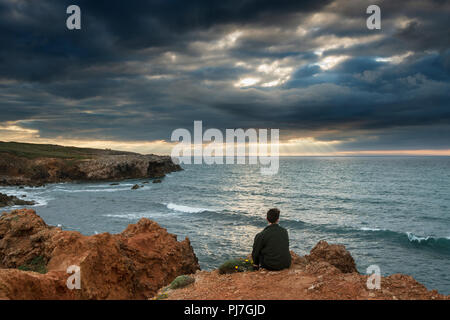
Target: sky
{"points": [[137, 70]]}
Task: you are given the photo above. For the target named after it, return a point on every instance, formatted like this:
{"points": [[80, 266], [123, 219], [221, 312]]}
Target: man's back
{"points": [[271, 248]]}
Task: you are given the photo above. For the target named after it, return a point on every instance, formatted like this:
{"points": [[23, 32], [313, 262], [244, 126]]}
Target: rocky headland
{"points": [[35, 165], [146, 262]]}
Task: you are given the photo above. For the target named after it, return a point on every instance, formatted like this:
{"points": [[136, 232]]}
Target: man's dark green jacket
{"points": [[271, 248]]}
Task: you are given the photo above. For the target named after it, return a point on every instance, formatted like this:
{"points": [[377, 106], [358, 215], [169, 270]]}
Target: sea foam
{"points": [[181, 208]]}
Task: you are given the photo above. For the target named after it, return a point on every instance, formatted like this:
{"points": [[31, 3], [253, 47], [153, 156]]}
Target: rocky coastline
{"points": [[146, 262], [36, 165]]}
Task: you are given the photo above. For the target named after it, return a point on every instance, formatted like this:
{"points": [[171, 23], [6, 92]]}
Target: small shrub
{"points": [[236, 265], [181, 282], [37, 264], [161, 296]]}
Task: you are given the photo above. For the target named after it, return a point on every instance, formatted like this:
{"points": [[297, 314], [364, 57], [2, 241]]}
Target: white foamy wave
{"points": [[109, 185], [97, 190], [134, 215], [39, 201], [413, 238], [370, 229], [180, 208], [130, 216], [14, 192]]}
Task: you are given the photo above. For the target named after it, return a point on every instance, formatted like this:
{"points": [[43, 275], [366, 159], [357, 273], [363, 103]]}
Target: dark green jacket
{"points": [[271, 248]]}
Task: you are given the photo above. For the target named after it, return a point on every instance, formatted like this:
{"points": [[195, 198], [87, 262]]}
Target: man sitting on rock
{"points": [[271, 246]]}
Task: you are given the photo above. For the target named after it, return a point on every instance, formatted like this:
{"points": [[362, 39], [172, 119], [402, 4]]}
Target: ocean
{"points": [[393, 212]]}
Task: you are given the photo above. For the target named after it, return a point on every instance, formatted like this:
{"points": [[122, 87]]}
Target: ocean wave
{"points": [[371, 229], [135, 215], [107, 186], [129, 216], [97, 190], [39, 201], [186, 209], [418, 239], [433, 242]]}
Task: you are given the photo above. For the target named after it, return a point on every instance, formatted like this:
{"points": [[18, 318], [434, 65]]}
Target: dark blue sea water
{"points": [[389, 211]]}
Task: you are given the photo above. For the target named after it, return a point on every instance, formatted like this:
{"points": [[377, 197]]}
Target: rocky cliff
{"points": [[328, 272], [134, 264], [27, 164]]}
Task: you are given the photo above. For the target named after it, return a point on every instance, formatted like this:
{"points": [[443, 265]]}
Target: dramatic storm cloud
{"points": [[137, 70]]}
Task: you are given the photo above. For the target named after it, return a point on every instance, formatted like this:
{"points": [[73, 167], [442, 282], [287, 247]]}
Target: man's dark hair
{"points": [[273, 215]]}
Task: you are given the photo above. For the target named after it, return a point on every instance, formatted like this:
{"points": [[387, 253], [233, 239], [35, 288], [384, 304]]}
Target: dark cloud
{"points": [[139, 69]]}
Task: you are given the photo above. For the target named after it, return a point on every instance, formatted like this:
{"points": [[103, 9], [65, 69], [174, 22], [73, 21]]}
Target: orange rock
{"points": [[131, 265], [334, 254], [328, 272]]}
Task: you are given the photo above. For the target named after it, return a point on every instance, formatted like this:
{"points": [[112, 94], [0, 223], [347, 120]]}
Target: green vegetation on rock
{"points": [[161, 296], [33, 151], [236, 265], [181, 282], [37, 264]]}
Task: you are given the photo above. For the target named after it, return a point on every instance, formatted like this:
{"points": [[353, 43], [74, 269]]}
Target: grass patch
{"points": [[181, 282], [33, 151], [236, 265], [37, 264]]}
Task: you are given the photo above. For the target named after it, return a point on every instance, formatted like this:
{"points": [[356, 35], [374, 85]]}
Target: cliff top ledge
{"points": [[327, 273]]}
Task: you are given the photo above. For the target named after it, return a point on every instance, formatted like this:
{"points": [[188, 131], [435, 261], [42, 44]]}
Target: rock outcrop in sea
{"points": [[34, 259], [9, 201]]}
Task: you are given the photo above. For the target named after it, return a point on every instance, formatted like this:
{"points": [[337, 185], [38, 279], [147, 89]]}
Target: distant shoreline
{"points": [[35, 165]]}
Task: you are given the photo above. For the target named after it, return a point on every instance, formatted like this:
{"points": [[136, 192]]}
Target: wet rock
{"points": [[8, 201]]}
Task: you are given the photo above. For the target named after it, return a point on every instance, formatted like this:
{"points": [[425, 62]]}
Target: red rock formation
{"points": [[328, 272], [334, 254], [129, 265]]}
